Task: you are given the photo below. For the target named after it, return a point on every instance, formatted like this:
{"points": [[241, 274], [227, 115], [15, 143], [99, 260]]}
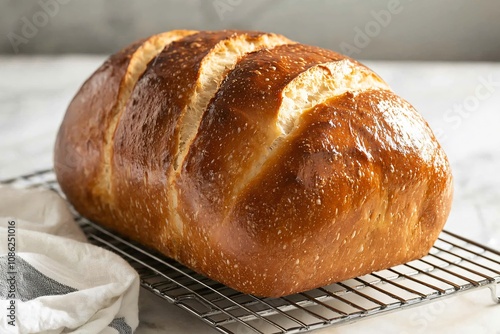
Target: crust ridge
{"points": [[312, 87], [137, 65]]}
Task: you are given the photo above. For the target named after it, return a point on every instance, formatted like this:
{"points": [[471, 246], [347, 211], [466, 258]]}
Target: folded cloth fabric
{"points": [[51, 279]]}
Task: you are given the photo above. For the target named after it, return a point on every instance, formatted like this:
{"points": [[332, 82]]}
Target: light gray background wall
{"points": [[415, 30]]}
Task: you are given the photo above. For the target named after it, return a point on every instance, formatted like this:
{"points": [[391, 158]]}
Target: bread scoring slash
{"points": [[268, 165]]}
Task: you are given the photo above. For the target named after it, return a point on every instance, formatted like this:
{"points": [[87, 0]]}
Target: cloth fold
{"points": [[51, 279]]}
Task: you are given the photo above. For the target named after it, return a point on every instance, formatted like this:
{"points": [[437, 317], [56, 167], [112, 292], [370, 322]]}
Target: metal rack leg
{"points": [[494, 292]]}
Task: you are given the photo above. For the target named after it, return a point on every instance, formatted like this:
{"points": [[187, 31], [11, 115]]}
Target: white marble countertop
{"points": [[459, 100]]}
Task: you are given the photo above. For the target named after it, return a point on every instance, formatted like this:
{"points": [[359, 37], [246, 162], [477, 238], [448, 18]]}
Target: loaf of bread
{"points": [[270, 166]]}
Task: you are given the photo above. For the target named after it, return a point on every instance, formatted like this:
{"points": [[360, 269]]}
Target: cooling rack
{"points": [[453, 266]]}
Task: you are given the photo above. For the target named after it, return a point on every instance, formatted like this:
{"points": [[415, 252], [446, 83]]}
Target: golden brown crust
{"points": [[78, 150], [83, 141], [145, 143], [306, 169], [240, 122], [345, 183]]}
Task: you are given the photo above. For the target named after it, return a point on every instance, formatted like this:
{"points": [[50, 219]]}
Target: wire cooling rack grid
{"points": [[454, 265]]}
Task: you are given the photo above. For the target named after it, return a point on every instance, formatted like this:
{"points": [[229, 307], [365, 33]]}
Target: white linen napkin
{"points": [[51, 279]]}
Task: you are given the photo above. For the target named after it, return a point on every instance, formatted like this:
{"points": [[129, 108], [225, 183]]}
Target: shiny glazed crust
{"points": [[270, 166]]}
